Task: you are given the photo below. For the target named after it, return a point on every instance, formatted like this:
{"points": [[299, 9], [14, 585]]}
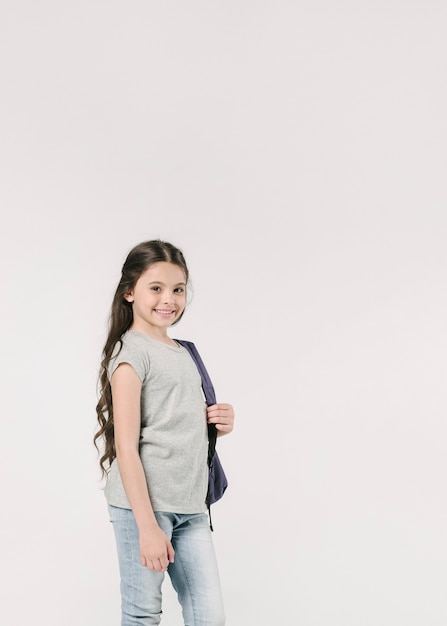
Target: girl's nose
{"points": [[168, 297]]}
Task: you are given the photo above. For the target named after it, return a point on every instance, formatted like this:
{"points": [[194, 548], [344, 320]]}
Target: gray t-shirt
{"points": [[174, 436]]}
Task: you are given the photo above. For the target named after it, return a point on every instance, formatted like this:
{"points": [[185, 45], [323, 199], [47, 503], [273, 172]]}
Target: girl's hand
{"points": [[156, 551], [223, 416]]}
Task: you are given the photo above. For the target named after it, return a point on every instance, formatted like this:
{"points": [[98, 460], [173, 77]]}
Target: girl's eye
{"points": [[154, 288], [179, 290]]}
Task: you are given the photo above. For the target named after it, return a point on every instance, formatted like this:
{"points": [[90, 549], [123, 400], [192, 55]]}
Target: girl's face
{"points": [[158, 298]]}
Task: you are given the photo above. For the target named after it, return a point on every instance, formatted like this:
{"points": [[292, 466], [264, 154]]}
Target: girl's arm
{"points": [[156, 551]]}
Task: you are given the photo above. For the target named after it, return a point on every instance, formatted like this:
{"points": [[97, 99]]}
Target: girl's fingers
{"points": [[220, 407], [224, 428], [171, 553], [156, 565], [222, 415], [219, 419]]}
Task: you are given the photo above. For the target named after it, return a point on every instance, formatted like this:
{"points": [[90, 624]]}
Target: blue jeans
{"points": [[193, 574]]}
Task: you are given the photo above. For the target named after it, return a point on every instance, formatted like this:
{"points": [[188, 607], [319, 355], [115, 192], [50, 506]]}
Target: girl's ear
{"points": [[128, 296]]}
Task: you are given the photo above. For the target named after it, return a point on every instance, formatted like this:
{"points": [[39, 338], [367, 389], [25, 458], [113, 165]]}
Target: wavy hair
{"points": [[121, 318]]}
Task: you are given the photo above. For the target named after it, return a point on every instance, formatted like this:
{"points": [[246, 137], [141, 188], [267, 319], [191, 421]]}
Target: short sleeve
{"points": [[131, 354]]}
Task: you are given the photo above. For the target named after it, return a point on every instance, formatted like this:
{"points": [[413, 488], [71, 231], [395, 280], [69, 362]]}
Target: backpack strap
{"points": [[210, 397], [208, 390]]}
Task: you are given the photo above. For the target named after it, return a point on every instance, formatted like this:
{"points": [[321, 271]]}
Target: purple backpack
{"points": [[217, 482]]}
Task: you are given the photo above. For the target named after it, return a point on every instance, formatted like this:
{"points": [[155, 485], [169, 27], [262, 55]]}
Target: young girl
{"points": [[153, 420]]}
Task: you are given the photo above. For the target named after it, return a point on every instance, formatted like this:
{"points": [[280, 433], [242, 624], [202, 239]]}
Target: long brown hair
{"points": [[121, 319]]}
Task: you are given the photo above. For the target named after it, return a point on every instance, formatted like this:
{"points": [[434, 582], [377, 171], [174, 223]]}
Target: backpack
{"points": [[217, 481]]}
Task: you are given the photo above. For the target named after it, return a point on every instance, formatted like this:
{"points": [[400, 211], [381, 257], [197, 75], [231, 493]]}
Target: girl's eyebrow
{"points": [[159, 282]]}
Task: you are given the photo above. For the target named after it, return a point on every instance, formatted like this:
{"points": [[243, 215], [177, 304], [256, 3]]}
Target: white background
{"points": [[296, 152]]}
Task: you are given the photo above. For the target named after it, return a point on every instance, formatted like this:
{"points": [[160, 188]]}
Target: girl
{"points": [[153, 421]]}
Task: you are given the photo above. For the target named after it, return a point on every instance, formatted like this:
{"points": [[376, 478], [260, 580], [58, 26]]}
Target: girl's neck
{"points": [[157, 334]]}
